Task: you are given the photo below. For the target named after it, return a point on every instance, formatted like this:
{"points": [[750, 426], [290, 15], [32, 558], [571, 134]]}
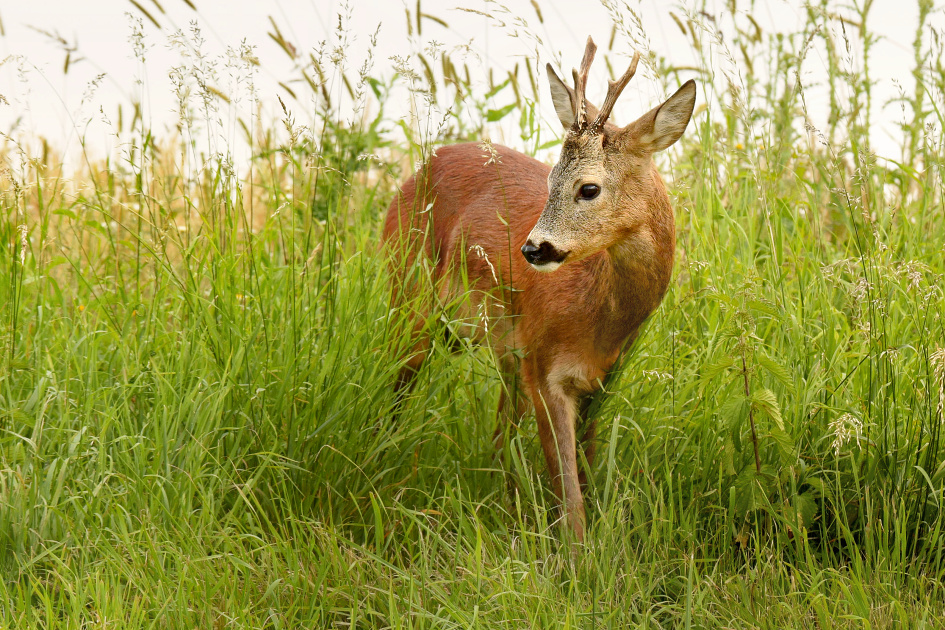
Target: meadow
{"points": [[197, 361]]}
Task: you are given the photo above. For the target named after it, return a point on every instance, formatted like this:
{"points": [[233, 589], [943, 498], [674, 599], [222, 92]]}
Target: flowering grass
{"points": [[197, 360]]}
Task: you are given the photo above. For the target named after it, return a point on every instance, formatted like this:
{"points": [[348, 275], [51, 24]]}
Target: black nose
{"points": [[543, 254], [531, 253]]}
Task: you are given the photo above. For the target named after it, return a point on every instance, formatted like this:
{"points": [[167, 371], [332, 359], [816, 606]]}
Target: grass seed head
{"points": [[845, 428]]}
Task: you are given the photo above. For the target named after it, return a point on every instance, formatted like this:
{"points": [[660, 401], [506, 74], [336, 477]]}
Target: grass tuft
{"points": [[197, 358]]}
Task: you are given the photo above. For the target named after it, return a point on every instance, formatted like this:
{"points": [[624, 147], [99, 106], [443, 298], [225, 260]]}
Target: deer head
{"points": [[601, 190]]}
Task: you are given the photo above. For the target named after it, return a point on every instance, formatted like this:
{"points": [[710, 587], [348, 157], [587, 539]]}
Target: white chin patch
{"points": [[547, 267]]}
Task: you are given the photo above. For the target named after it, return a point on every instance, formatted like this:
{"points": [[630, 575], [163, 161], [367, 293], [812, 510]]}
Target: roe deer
{"points": [[597, 239]]}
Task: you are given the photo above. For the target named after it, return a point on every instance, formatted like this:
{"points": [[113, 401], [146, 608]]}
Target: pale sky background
{"points": [[41, 100]]}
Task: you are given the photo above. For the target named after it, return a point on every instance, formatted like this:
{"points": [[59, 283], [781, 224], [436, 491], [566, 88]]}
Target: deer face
{"points": [[583, 199], [599, 191]]}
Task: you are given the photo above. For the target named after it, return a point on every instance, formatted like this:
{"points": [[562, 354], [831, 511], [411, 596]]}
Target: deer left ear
{"points": [[663, 125], [562, 96]]}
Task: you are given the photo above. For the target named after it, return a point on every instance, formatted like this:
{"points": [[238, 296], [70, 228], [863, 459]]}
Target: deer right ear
{"points": [[562, 96], [663, 125]]}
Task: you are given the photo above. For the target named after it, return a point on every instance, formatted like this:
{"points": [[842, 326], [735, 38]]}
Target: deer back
{"points": [[470, 216], [596, 232]]}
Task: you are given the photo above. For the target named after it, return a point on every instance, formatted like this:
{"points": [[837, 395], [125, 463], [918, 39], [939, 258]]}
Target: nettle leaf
{"points": [[765, 401], [715, 368], [733, 414], [817, 488], [745, 478], [749, 491], [733, 411], [783, 440], [765, 306], [736, 436], [745, 502], [778, 371], [718, 296]]}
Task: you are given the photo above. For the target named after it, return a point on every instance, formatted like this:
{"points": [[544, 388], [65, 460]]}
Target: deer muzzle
{"points": [[544, 256]]}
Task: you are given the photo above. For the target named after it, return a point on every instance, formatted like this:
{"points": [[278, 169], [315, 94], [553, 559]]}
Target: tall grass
{"points": [[197, 361]]}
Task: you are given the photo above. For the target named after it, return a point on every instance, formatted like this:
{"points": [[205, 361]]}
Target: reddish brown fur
{"points": [[570, 324], [600, 245]]}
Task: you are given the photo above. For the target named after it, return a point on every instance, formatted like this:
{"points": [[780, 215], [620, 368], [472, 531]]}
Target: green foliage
{"points": [[197, 422]]}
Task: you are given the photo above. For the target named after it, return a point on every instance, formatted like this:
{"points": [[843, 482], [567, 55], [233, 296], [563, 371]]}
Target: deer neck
{"points": [[634, 274]]}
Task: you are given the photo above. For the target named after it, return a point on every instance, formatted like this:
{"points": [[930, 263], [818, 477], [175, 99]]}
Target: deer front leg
{"points": [[556, 413], [588, 425]]}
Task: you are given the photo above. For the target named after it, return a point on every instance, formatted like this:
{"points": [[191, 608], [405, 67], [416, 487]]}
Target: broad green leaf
{"points": [[778, 371], [817, 487], [715, 368], [765, 401], [764, 306], [733, 411], [783, 440]]}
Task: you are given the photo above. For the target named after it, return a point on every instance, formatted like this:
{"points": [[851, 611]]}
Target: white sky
{"points": [[46, 102]]}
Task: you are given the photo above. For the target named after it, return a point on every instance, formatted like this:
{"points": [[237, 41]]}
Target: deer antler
{"points": [[614, 88], [580, 85]]}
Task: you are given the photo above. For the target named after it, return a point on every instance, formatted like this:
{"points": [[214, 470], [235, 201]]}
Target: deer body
{"points": [[561, 265]]}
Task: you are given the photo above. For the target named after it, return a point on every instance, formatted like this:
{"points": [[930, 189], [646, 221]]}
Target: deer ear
{"points": [[562, 96], [663, 125]]}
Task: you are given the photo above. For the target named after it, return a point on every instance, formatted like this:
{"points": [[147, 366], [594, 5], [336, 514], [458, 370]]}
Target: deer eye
{"points": [[589, 191]]}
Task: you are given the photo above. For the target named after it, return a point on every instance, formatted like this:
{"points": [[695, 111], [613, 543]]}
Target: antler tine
{"points": [[580, 85], [614, 88]]}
